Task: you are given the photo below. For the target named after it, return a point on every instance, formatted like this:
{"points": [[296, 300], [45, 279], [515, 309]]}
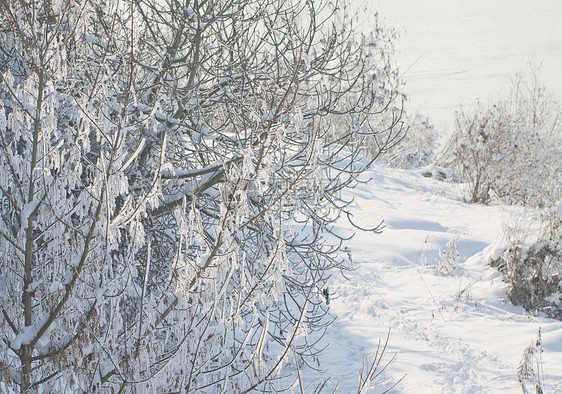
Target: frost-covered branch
{"points": [[176, 169]]}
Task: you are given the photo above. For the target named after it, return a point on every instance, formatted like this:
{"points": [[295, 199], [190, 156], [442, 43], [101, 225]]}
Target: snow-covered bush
{"points": [[377, 133], [511, 150], [533, 275], [392, 137], [533, 270], [417, 146], [168, 180]]}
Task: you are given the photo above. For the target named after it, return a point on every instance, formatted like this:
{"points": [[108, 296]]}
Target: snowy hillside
{"points": [[452, 327]]}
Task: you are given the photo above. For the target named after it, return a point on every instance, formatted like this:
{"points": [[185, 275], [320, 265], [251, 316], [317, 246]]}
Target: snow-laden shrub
{"points": [[533, 270], [415, 149], [529, 272], [376, 134], [392, 137], [510, 150]]}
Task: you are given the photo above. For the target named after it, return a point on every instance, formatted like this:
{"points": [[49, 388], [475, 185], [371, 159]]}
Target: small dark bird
{"points": [[326, 294]]}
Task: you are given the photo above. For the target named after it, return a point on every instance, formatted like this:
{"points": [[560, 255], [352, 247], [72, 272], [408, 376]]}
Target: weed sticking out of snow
{"points": [[449, 259], [530, 371], [371, 371]]}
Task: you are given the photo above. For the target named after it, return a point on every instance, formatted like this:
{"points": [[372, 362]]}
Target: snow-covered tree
{"points": [[169, 176]]}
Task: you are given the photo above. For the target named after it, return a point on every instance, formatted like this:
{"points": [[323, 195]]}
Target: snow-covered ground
{"points": [[450, 333]]}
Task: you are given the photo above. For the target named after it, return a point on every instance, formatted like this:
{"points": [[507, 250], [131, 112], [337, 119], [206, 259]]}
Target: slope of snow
{"points": [[450, 333]]}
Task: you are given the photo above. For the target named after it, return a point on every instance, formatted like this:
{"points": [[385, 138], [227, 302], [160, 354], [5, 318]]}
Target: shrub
{"points": [[377, 133], [392, 136], [533, 271], [533, 275], [511, 149], [417, 146]]}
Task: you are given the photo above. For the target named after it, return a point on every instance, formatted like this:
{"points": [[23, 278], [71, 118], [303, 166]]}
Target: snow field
{"points": [[453, 333]]}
